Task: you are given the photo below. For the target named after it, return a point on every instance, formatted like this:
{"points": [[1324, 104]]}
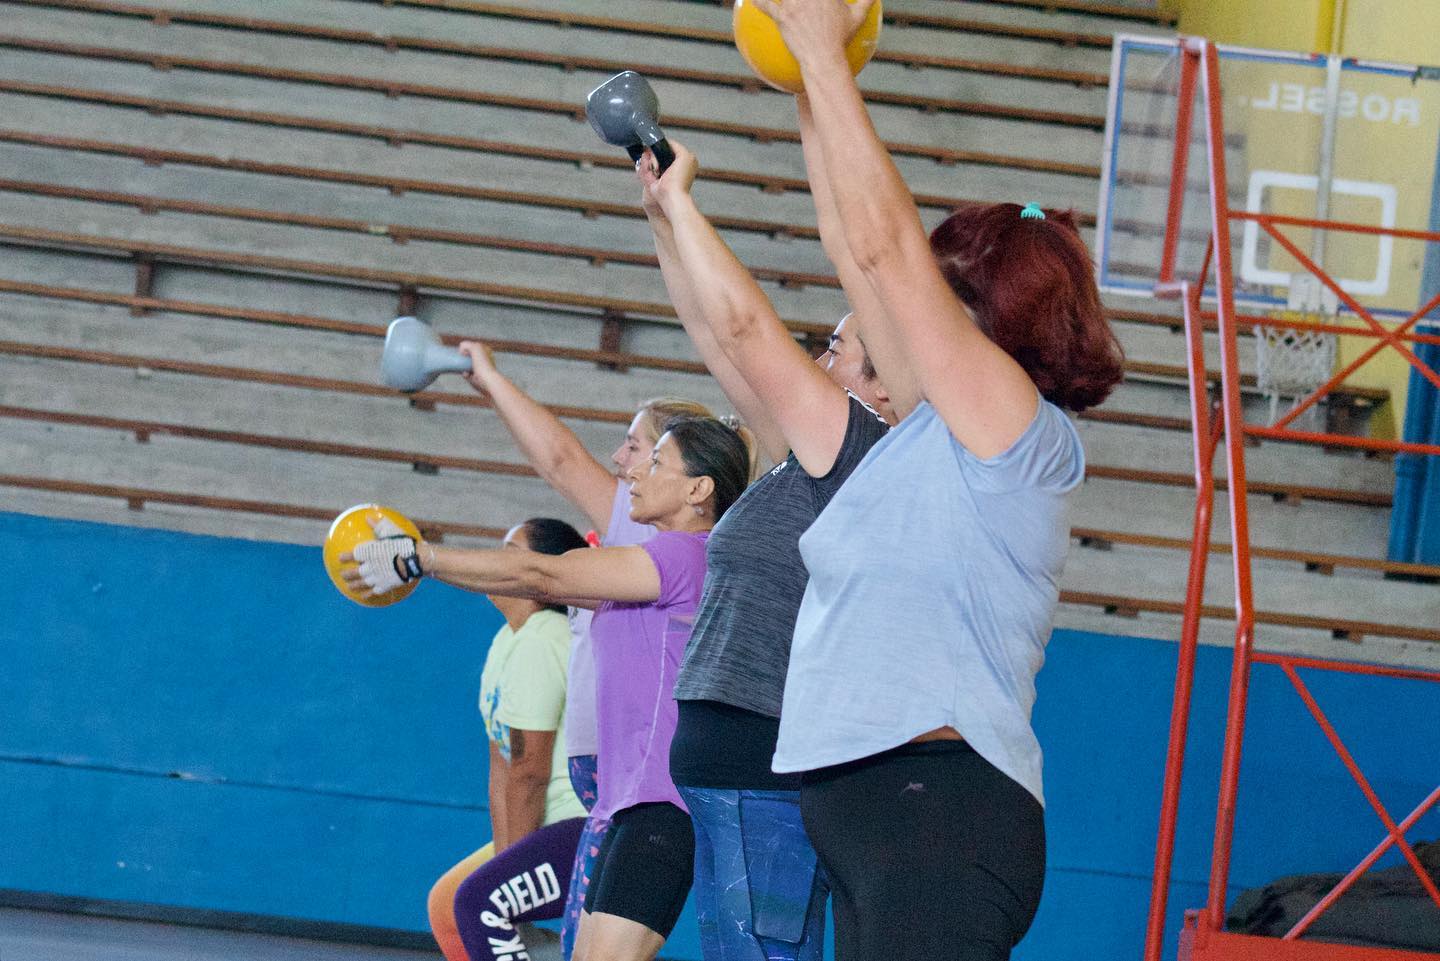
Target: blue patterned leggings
{"points": [[583, 780], [759, 892]]}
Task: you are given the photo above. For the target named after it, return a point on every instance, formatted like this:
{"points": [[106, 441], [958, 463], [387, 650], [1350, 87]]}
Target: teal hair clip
{"points": [[1032, 211]]}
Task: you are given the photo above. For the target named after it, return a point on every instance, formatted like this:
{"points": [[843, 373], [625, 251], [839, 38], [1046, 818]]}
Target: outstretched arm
{"points": [[579, 577], [592, 574], [984, 396], [548, 445], [809, 410]]}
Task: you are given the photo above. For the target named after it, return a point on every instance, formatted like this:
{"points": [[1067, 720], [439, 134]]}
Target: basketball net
{"points": [[1290, 364]]}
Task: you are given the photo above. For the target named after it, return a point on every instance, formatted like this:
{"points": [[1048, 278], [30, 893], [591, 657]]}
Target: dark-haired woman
{"points": [[758, 893], [646, 597], [934, 572], [603, 496], [535, 817]]}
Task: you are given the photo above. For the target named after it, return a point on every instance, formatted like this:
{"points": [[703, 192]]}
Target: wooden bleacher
{"points": [[209, 216]]}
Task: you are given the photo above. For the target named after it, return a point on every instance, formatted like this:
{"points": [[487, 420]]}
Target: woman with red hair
{"points": [[934, 571]]}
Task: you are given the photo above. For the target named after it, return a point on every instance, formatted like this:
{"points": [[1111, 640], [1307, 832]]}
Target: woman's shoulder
{"points": [[677, 549], [1048, 454], [679, 558], [676, 541], [543, 623]]}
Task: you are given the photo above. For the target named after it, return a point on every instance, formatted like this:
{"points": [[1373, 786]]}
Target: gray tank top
{"points": [[754, 578]]}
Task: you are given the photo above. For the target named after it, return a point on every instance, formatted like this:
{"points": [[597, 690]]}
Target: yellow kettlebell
{"points": [[759, 41], [352, 528]]}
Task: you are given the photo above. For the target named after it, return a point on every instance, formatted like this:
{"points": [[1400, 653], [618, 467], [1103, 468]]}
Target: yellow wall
{"points": [[1404, 31], [1401, 31], [1273, 24]]}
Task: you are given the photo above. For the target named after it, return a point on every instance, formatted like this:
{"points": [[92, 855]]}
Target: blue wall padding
{"points": [[1415, 514], [333, 763]]}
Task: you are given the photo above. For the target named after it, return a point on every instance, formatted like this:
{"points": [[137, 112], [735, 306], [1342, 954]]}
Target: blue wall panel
{"points": [[1415, 514], [1102, 718], [331, 762], [215, 716]]}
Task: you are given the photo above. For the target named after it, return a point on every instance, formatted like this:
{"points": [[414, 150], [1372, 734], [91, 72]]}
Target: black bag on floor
{"points": [[1383, 909]]}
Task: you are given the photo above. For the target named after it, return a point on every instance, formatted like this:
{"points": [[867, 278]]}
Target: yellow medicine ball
{"points": [[352, 528], [758, 39]]}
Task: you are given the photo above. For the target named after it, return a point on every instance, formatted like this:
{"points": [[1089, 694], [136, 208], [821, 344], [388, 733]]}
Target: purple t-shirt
{"points": [[580, 730], [637, 655]]}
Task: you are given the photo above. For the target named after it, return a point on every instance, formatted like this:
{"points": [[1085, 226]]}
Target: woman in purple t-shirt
{"points": [[603, 496], [645, 598]]}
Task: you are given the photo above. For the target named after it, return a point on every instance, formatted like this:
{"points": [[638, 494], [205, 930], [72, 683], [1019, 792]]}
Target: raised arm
{"points": [[548, 445], [692, 317], [864, 302], [926, 337], [581, 577], [809, 410]]}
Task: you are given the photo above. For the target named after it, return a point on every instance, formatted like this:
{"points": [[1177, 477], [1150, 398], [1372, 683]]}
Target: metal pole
{"points": [[1204, 445], [1179, 168], [1235, 464], [1326, 176], [1206, 438]]}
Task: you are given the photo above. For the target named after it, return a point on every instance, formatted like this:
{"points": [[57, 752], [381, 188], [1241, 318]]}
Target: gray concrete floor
{"points": [[48, 936], [32, 935]]}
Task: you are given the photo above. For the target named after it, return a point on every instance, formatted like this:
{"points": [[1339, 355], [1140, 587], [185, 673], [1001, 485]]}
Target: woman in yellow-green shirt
{"points": [[536, 819]]}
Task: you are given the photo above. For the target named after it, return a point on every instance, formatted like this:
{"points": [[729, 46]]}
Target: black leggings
{"points": [[931, 853], [645, 866]]}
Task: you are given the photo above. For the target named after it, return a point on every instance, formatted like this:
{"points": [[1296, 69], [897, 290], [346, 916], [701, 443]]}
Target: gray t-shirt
{"points": [[740, 648]]}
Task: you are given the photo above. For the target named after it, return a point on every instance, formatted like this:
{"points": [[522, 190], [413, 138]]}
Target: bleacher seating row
{"points": [[208, 217]]}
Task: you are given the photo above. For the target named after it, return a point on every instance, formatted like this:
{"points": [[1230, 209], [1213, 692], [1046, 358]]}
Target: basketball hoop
{"points": [[1293, 363]]}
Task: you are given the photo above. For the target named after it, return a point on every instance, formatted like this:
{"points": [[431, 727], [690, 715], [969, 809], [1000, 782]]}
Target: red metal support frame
{"points": [[1339, 377], [1387, 336], [1333, 737], [1321, 327], [1179, 170], [1206, 424], [1203, 937], [1233, 407], [1324, 903]]}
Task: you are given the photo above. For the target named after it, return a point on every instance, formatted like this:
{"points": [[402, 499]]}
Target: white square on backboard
{"points": [[1250, 269]]}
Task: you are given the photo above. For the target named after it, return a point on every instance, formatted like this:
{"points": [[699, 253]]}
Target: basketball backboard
{"points": [[1375, 164]]}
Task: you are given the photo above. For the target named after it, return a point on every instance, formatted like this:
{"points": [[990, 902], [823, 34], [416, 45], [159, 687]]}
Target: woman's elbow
{"points": [[877, 248], [555, 465], [531, 774], [533, 581], [531, 777], [736, 325]]}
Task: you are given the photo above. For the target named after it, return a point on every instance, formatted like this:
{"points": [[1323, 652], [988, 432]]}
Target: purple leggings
{"points": [[525, 882]]}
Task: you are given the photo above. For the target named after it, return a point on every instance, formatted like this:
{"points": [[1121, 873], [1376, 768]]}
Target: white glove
{"points": [[388, 561]]}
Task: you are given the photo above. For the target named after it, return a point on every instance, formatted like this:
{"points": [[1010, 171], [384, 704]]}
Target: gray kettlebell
{"points": [[414, 356], [626, 113]]}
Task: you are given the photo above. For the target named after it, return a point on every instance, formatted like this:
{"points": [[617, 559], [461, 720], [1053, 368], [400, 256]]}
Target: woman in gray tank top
{"points": [[907, 706], [758, 892]]}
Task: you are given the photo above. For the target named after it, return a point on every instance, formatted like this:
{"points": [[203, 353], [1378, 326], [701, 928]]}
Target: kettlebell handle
{"points": [[664, 155], [648, 132]]}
